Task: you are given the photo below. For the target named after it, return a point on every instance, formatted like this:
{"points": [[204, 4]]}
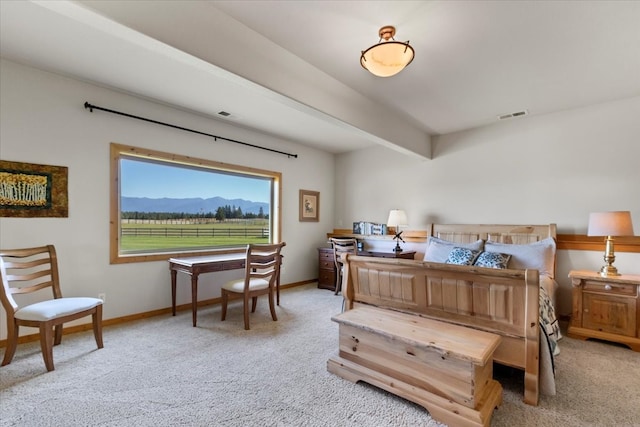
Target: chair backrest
{"points": [[28, 270], [263, 262], [341, 246]]}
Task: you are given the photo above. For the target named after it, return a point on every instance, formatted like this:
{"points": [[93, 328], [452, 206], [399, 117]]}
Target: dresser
{"points": [[327, 268], [606, 308]]}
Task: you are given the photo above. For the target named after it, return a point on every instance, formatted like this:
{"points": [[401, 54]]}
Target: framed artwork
{"points": [[28, 190], [309, 205]]}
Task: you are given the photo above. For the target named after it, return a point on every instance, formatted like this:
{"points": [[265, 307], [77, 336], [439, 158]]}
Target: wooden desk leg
{"points": [[194, 297], [174, 273]]}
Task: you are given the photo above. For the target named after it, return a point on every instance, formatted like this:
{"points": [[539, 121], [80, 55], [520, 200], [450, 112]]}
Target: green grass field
{"points": [[241, 234]]}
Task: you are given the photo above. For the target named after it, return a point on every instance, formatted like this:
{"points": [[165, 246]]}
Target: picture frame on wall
{"points": [[309, 205], [29, 190]]}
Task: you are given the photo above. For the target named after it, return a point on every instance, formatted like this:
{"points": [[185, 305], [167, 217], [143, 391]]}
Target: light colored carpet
{"points": [[163, 372]]}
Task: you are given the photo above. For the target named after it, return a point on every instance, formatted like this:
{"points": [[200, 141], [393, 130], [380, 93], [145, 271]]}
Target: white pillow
{"points": [[438, 249], [539, 255]]}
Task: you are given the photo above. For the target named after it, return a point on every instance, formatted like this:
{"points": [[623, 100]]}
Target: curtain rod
{"points": [[91, 107]]}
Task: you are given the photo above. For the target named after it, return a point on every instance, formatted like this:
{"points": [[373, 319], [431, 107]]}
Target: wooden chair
{"points": [[341, 246], [262, 270], [28, 270]]}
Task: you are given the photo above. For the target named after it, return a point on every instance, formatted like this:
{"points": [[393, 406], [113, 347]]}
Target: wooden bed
{"points": [[504, 302]]}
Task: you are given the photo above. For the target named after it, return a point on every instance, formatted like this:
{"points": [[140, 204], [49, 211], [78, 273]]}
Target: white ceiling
{"points": [[291, 68]]}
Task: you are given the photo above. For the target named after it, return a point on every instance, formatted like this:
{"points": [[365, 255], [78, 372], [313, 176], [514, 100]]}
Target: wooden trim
{"points": [[138, 316], [119, 151], [581, 242], [578, 242], [419, 236]]}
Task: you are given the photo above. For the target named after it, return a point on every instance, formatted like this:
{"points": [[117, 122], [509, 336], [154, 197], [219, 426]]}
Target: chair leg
{"points": [[338, 280], [254, 303], [225, 299], [57, 334], [246, 312], [97, 325], [46, 344], [272, 307], [12, 341]]}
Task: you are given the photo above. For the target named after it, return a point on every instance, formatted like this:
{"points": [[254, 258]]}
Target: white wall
{"points": [[43, 121], [553, 168]]}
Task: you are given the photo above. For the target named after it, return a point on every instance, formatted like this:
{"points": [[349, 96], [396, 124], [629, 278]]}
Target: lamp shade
{"points": [[616, 223], [388, 57], [397, 217]]}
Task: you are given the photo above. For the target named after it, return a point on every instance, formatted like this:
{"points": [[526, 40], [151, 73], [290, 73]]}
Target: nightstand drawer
{"points": [[610, 288]]}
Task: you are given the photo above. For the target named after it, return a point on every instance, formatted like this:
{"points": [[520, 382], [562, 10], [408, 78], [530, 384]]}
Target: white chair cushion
{"points": [[52, 309], [238, 285]]}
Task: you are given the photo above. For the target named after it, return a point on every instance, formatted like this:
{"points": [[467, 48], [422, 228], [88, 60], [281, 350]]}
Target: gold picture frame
{"points": [[29, 190], [309, 206]]}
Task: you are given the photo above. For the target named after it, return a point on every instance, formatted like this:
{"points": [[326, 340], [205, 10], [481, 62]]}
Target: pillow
{"points": [[492, 260], [438, 249], [539, 255], [462, 256]]}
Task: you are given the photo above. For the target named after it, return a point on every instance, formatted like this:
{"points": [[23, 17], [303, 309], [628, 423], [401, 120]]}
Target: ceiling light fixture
{"points": [[388, 57]]}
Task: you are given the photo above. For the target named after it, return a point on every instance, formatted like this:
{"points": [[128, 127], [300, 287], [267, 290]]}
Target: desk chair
{"points": [[24, 271], [262, 270], [341, 246]]}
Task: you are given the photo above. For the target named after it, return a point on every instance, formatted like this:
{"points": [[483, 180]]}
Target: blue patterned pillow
{"points": [[492, 260], [462, 256]]}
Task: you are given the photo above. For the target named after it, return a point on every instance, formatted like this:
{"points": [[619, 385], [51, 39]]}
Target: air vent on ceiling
{"points": [[224, 113], [512, 115]]}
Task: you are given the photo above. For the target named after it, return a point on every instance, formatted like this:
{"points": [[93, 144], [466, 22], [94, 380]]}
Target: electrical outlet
{"points": [[103, 297]]}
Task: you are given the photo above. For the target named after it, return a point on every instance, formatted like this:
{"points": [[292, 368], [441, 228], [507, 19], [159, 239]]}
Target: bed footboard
{"points": [[504, 302]]}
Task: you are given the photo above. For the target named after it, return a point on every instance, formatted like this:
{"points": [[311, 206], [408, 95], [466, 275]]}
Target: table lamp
{"points": [[610, 224], [397, 218]]}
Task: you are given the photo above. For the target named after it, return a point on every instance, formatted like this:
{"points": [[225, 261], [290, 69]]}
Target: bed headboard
{"points": [[511, 234], [516, 234]]}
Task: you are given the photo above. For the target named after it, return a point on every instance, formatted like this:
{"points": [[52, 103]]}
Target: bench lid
{"points": [[456, 341]]}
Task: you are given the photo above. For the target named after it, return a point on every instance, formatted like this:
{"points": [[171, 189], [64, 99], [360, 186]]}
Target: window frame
{"points": [[119, 151]]}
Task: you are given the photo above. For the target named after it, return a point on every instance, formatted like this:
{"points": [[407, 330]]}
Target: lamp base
{"points": [[608, 271], [397, 248], [609, 257]]}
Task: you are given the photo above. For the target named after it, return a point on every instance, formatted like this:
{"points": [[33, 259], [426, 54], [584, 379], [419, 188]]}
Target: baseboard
{"points": [[138, 316]]}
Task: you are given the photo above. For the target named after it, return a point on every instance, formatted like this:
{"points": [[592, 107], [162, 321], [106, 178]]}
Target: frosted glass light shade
{"points": [[388, 57]]}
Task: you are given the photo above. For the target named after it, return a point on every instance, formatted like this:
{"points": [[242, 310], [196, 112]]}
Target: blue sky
{"points": [[144, 179]]}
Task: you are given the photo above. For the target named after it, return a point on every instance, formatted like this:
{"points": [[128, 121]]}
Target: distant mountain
{"points": [[192, 205]]}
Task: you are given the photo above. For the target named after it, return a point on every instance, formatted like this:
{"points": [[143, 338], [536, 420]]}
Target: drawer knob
{"points": [[607, 287]]}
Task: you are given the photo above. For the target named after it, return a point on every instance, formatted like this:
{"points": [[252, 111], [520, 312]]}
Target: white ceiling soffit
{"points": [[133, 50], [291, 68]]}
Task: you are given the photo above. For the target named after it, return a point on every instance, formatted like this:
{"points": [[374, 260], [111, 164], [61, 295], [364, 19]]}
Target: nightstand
{"points": [[606, 308]]}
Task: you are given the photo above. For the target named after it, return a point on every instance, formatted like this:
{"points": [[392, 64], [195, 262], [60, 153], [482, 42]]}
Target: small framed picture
{"points": [[309, 205]]}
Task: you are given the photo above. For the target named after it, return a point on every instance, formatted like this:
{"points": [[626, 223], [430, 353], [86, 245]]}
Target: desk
{"points": [[198, 265], [403, 254], [195, 266]]}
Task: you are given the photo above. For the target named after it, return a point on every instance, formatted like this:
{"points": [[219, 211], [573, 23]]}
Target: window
{"points": [[166, 205]]}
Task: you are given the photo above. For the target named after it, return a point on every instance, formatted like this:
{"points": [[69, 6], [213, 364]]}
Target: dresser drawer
{"points": [[610, 288], [326, 265], [327, 277], [326, 256]]}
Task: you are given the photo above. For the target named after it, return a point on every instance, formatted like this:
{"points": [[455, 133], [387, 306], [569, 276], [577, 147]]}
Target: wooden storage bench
{"points": [[446, 368]]}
